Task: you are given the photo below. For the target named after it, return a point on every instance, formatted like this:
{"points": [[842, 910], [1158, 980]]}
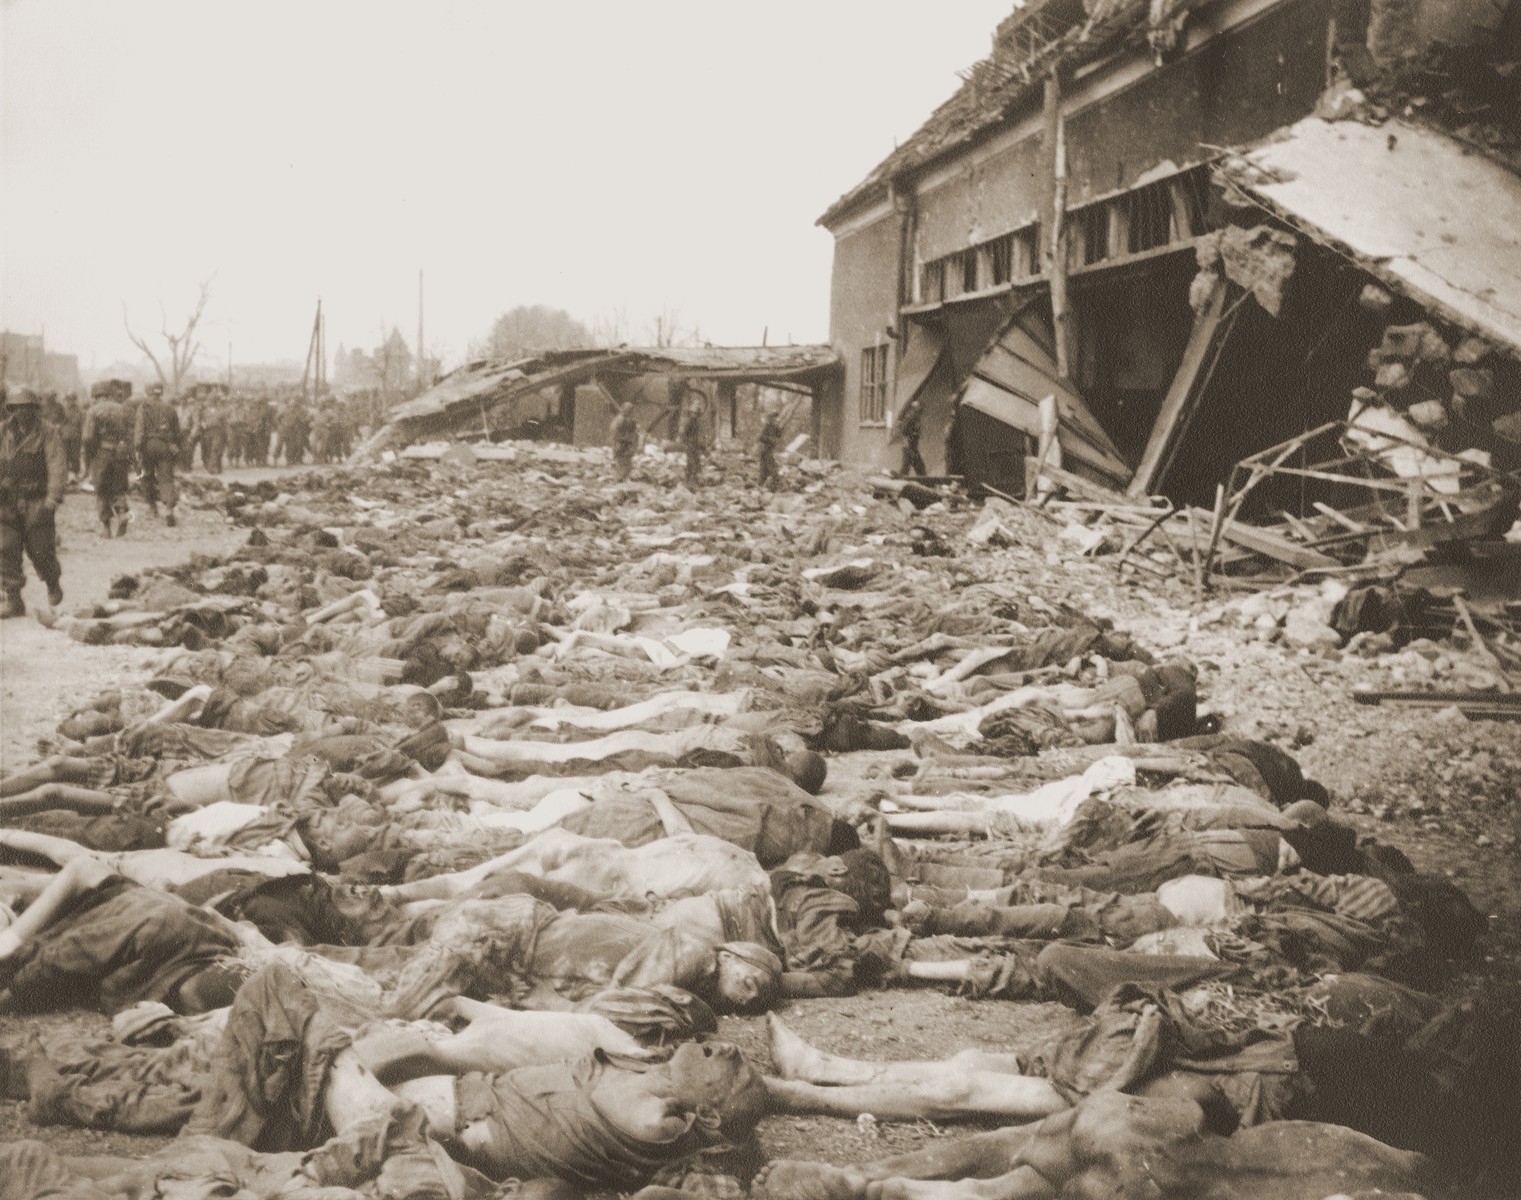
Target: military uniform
{"points": [[770, 438], [625, 443], [108, 449], [694, 435], [261, 430], [190, 434], [156, 438], [73, 434], [909, 422], [33, 474], [216, 438], [295, 429]]}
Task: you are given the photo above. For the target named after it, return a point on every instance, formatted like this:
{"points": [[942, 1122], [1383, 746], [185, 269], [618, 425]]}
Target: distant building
{"points": [[28, 363], [275, 374]]}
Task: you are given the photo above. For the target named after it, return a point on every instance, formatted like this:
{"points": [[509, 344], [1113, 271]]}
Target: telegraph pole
{"points": [[422, 358]]}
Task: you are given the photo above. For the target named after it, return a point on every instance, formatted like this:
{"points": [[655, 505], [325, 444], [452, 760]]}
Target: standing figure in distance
{"points": [[625, 434], [770, 437], [156, 438], [214, 433], [73, 434], [108, 450], [33, 474], [693, 433], [295, 429], [909, 422]]}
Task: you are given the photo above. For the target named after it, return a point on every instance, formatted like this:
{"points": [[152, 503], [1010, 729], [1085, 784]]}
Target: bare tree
{"points": [[610, 330], [665, 328], [182, 346]]}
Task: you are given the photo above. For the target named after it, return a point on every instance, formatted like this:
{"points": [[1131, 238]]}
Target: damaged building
{"points": [[1175, 234]]}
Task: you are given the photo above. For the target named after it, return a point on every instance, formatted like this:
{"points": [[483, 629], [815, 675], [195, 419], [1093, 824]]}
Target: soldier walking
{"points": [[216, 436], [625, 434], [73, 434], [295, 430], [108, 450], [33, 474], [156, 438], [693, 433], [770, 437], [910, 422]]}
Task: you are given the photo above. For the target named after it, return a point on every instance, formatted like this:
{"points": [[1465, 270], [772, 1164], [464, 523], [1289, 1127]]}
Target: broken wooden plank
{"points": [[1269, 544], [1076, 484], [1181, 396], [1340, 518]]}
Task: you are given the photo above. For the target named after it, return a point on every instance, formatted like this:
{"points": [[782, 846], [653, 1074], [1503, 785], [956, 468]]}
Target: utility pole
{"points": [[229, 364], [422, 358]]}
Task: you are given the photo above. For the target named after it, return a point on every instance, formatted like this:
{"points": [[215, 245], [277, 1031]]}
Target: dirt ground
{"points": [[1446, 791]]}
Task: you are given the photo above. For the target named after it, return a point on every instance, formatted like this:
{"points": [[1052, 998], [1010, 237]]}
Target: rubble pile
{"points": [[500, 771]]}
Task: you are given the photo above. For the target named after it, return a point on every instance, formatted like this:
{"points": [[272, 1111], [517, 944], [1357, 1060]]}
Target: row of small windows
{"points": [[1144, 218]]}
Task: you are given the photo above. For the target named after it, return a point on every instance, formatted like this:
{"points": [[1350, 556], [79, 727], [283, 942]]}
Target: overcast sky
{"points": [[592, 155]]}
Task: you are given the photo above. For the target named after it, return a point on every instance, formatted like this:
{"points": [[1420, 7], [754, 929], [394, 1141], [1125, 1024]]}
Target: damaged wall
{"points": [[984, 200], [863, 305], [1233, 89]]}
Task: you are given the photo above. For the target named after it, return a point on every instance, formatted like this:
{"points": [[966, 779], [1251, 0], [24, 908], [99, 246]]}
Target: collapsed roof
{"points": [[1417, 209], [460, 401]]}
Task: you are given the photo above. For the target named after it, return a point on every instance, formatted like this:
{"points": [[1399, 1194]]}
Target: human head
{"points": [[749, 976], [713, 1080], [865, 880], [808, 770], [23, 403], [155, 390]]}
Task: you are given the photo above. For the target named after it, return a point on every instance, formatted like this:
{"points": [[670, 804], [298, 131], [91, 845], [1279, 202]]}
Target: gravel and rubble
{"points": [[817, 590]]}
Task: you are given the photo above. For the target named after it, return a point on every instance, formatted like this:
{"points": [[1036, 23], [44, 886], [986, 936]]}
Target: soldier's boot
{"points": [[123, 519], [12, 606], [55, 593], [170, 519], [153, 507]]}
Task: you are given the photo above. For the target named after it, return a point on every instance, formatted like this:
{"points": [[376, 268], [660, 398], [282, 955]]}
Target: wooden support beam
{"points": [[1181, 397], [1119, 226], [1182, 212], [1057, 263], [1270, 544]]}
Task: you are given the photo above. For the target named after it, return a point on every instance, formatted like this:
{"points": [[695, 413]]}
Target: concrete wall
{"points": [[863, 303], [984, 200]]}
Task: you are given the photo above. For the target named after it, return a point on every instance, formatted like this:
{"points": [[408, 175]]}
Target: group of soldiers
{"points": [[692, 434], [255, 430], [47, 442]]}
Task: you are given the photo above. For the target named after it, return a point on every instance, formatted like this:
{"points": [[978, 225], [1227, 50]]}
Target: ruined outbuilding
{"points": [[495, 399], [1187, 226]]}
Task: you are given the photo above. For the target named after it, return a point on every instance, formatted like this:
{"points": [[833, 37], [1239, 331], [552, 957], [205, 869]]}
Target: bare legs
{"points": [[1124, 1148], [973, 1083], [78, 876]]}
